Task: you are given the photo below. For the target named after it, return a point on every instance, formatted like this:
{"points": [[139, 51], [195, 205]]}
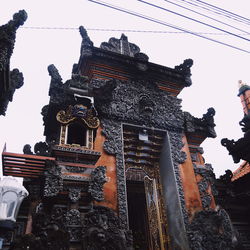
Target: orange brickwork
{"points": [[190, 188], [110, 187]]}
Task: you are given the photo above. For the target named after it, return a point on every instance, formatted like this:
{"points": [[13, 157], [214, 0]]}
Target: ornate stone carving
{"points": [[178, 157], [238, 149], [57, 90], [27, 149], [78, 81], [184, 68], [56, 83], [226, 178], [123, 104], [7, 93], [41, 148], [87, 44], [130, 98], [101, 230], [146, 105], [53, 179], [211, 229], [73, 217], [79, 111], [121, 46], [75, 169], [112, 130], [48, 232], [205, 124], [55, 75], [208, 179], [9, 80], [245, 123], [74, 194], [97, 180]]}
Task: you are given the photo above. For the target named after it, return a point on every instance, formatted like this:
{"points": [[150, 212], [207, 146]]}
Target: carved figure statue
{"points": [[27, 149], [41, 148]]}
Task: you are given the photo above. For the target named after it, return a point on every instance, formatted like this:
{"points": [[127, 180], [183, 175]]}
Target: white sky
{"points": [[215, 72]]}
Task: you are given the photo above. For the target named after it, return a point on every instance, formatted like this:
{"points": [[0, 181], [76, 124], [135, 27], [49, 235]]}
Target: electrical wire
{"points": [[223, 10], [192, 19], [198, 13], [125, 30], [215, 12], [165, 24]]}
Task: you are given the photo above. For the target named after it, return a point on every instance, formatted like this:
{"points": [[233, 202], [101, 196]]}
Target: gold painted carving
{"points": [[80, 112], [154, 217]]}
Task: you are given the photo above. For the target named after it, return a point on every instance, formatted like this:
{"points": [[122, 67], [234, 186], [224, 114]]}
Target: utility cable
{"points": [[165, 24], [125, 30], [223, 10], [198, 13], [215, 12], [192, 19]]}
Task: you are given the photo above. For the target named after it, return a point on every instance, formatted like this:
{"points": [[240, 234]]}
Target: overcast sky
{"points": [[215, 73]]}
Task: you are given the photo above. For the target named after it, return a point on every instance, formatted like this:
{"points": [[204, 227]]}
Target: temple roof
{"points": [[243, 170], [124, 61]]}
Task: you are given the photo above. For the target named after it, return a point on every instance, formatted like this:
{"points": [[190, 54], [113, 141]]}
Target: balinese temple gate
{"points": [[122, 166]]}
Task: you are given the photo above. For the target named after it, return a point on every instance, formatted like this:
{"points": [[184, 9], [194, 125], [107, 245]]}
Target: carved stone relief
{"points": [[126, 103], [53, 179], [87, 44], [79, 111], [112, 130], [48, 231], [74, 194], [184, 68], [134, 101], [121, 46], [72, 217], [9, 80], [97, 180], [101, 230], [211, 229], [208, 179]]}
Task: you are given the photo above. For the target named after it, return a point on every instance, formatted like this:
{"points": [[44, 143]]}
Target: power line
{"points": [[192, 19], [166, 24], [125, 30], [223, 10], [216, 12], [198, 13]]}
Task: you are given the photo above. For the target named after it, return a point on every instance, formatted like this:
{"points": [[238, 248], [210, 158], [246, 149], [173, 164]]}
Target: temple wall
{"points": [[110, 187], [190, 188]]}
